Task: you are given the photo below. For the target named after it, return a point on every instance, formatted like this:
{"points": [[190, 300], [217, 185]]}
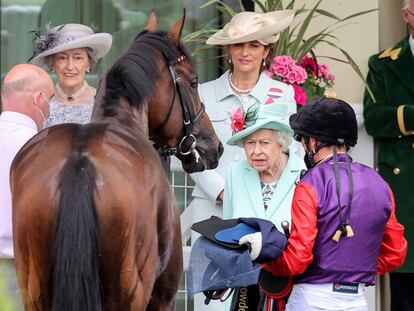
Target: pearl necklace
{"points": [[72, 96], [245, 91], [279, 169]]}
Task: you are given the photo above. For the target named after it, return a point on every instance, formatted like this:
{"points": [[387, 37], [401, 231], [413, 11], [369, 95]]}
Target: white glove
{"points": [[255, 241]]}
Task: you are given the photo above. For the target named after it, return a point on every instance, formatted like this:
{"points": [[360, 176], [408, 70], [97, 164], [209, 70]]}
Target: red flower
{"points": [[300, 95], [309, 63], [237, 120]]}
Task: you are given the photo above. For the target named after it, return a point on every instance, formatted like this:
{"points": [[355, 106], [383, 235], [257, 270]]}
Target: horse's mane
{"points": [[135, 73]]}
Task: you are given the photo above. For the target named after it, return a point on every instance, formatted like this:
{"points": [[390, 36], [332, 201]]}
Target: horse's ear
{"points": [[151, 22], [175, 31]]}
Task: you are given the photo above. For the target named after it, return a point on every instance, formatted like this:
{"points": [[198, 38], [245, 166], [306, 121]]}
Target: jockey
{"points": [[344, 230]]}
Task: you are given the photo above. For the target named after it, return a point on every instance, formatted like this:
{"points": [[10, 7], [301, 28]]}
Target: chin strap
{"points": [[309, 160]]}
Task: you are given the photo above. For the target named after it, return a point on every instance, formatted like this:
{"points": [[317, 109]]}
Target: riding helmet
{"points": [[329, 120]]}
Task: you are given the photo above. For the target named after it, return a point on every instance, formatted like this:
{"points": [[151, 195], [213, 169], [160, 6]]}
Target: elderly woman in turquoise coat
{"points": [[263, 184]]}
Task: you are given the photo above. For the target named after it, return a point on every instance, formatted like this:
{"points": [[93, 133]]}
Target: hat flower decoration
{"points": [[239, 119], [46, 41]]}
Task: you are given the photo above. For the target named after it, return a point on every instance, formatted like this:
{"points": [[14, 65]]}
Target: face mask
{"points": [[40, 110], [308, 158]]}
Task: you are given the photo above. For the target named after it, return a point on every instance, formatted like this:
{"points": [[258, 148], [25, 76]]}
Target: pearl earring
{"points": [[87, 70], [264, 63], [229, 60]]}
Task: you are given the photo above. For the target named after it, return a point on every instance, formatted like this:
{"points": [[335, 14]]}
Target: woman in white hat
{"points": [[71, 51]]}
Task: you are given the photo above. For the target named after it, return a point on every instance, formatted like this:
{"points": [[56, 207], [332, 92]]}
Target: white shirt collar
{"points": [[19, 118], [411, 43]]}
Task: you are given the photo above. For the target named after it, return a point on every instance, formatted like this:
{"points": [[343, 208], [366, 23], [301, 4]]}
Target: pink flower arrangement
{"points": [[308, 78], [319, 72], [285, 67]]}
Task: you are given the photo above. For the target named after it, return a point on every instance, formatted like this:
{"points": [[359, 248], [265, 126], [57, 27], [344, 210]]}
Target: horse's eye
{"points": [[194, 83]]}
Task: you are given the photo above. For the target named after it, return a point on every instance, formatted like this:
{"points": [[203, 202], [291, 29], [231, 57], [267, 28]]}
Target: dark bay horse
{"points": [[95, 224]]}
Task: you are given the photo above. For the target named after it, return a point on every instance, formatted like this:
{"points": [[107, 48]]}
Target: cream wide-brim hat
{"points": [[67, 37], [252, 26]]}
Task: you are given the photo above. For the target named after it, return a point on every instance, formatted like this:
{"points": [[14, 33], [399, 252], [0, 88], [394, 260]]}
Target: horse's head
{"points": [[182, 126], [154, 80]]}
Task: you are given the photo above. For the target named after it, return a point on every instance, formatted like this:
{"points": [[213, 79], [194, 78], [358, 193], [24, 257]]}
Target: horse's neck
{"points": [[132, 118], [126, 116], [97, 112]]}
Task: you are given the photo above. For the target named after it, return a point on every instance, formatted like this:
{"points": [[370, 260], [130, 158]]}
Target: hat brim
{"points": [[271, 124], [99, 43], [284, 19]]}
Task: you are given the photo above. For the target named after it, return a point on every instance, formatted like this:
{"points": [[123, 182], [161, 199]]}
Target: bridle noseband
{"points": [[188, 119]]}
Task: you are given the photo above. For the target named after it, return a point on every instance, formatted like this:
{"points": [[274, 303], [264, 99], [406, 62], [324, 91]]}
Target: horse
{"points": [[95, 223]]}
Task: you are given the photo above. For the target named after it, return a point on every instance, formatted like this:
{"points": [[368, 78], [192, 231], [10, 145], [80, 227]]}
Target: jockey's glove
{"points": [[255, 242]]}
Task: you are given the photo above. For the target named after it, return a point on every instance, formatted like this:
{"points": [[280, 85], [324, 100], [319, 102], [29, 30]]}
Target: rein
{"points": [[188, 119]]}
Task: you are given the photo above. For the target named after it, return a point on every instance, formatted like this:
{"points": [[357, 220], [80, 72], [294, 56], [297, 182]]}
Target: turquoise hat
{"points": [[269, 116]]}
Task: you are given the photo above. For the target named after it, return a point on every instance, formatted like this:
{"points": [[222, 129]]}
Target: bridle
{"points": [[188, 119]]}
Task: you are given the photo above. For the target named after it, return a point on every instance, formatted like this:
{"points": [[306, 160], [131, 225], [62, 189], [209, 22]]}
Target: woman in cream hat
{"points": [[71, 51], [248, 38]]}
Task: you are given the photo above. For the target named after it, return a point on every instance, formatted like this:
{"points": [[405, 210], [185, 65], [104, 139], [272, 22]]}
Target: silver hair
{"points": [[284, 139]]}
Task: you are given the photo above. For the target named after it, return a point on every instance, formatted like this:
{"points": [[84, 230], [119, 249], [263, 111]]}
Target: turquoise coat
{"points": [[220, 101], [243, 193], [390, 120]]}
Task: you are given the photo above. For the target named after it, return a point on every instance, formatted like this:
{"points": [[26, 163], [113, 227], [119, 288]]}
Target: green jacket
{"points": [[390, 120]]}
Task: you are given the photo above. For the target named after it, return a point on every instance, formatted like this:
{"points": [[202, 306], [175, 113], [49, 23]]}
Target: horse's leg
{"points": [[22, 269], [166, 285], [129, 242], [31, 236]]}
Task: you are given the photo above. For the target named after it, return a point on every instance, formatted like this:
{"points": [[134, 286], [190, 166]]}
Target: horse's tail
{"points": [[75, 281]]}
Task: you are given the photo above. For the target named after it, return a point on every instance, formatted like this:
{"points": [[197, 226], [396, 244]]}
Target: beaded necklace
{"points": [[72, 96], [241, 91]]}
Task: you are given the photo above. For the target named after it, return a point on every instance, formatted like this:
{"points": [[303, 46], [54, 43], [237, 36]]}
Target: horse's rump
{"points": [[133, 199]]}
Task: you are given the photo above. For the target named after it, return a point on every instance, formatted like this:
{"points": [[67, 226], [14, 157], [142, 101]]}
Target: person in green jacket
{"points": [[389, 118]]}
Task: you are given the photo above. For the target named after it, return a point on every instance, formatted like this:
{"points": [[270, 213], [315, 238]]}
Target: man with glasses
{"points": [[389, 118], [25, 95]]}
